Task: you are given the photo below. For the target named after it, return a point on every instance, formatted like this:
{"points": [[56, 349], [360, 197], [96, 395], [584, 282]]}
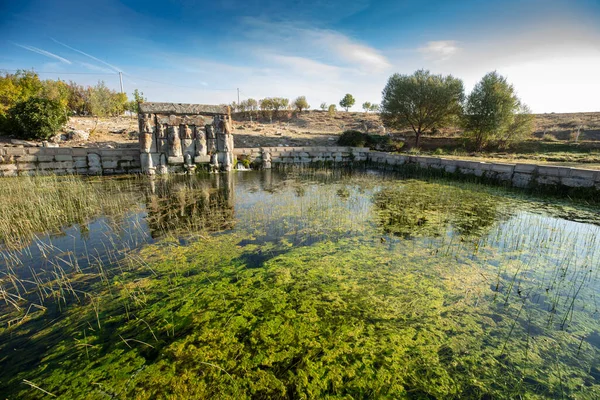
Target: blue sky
{"points": [[189, 51]]}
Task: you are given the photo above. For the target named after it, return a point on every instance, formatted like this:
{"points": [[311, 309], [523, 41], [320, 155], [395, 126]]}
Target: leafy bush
{"points": [[353, 138], [36, 118]]}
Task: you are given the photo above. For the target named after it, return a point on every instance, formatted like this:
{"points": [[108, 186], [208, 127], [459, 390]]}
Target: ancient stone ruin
{"points": [[178, 137]]}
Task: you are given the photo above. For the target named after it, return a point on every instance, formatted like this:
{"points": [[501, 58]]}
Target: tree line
{"points": [[491, 114], [274, 106], [35, 108]]}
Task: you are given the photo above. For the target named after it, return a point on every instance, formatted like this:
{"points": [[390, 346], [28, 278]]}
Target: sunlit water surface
{"points": [[308, 284]]}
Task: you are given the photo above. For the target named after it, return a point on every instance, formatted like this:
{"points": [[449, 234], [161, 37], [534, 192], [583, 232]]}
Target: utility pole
{"points": [[121, 80], [238, 89]]}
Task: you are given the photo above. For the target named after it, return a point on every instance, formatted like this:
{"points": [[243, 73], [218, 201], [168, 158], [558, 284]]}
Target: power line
{"points": [[174, 85], [120, 76]]}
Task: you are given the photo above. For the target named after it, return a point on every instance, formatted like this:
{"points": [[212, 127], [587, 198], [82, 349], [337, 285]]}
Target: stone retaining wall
{"points": [[302, 155], [15, 161], [517, 175]]}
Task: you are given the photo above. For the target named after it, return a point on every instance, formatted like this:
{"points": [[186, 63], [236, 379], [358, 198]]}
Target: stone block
{"points": [[63, 157], [175, 160], [15, 151], [26, 166], [27, 158], [521, 180], [451, 168], [502, 168], [34, 150], [109, 164], [45, 158], [8, 167], [587, 174], [525, 168], [80, 152], [577, 182], [549, 170], [548, 180], [56, 165], [202, 159]]}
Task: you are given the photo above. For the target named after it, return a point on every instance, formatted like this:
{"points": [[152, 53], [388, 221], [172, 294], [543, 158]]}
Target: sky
{"points": [[201, 52]]}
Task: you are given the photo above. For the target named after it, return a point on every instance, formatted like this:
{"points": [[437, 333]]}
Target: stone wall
{"points": [[264, 157], [517, 175], [15, 161]]}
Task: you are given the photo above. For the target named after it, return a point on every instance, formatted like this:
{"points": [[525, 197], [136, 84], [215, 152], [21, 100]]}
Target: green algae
{"points": [[333, 291]]}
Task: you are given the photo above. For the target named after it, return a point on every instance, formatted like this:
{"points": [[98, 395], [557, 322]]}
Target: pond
{"points": [[298, 284]]}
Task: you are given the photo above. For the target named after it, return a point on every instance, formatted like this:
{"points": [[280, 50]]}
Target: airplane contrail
{"points": [[117, 69], [44, 53]]}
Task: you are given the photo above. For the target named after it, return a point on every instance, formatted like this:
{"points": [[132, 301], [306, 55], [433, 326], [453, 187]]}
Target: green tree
{"points": [[323, 106], [17, 87], [57, 91], [267, 107], [421, 101], [494, 113], [104, 101], [79, 98], [347, 102], [134, 105], [301, 103], [366, 106], [374, 107], [37, 118]]}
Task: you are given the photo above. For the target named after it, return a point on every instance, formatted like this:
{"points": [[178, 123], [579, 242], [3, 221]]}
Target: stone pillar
{"points": [[161, 138], [162, 168], [187, 139], [214, 163], [147, 142], [266, 160], [147, 163], [211, 139], [174, 142], [200, 138]]}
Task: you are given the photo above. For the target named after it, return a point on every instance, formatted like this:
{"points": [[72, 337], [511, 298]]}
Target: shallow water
{"points": [[308, 284]]}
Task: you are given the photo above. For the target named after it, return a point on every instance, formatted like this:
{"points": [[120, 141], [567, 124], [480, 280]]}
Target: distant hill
{"points": [[561, 126]]}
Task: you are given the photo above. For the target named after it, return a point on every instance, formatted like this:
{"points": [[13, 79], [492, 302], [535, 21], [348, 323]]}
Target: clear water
{"points": [[308, 284]]}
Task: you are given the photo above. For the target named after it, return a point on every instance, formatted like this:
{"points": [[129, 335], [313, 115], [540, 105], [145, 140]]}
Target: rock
{"points": [[56, 138], [24, 143], [79, 135], [46, 143]]}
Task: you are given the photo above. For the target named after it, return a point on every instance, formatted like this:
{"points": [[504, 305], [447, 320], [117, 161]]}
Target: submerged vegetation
{"points": [[312, 285]]}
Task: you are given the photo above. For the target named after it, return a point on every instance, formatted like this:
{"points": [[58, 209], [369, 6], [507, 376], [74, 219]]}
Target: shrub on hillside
{"points": [[353, 138], [36, 118]]}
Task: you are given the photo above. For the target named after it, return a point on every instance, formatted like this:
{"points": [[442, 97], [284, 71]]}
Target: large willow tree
{"points": [[421, 101]]}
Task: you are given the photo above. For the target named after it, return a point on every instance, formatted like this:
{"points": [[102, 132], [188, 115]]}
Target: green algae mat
{"points": [[298, 285]]}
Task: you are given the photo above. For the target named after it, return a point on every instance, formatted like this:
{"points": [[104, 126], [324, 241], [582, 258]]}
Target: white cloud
{"points": [[328, 46], [439, 50], [44, 53]]}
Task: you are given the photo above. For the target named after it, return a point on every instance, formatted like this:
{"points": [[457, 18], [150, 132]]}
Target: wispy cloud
{"points": [[313, 43], [44, 53], [116, 69], [439, 50], [93, 67]]}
